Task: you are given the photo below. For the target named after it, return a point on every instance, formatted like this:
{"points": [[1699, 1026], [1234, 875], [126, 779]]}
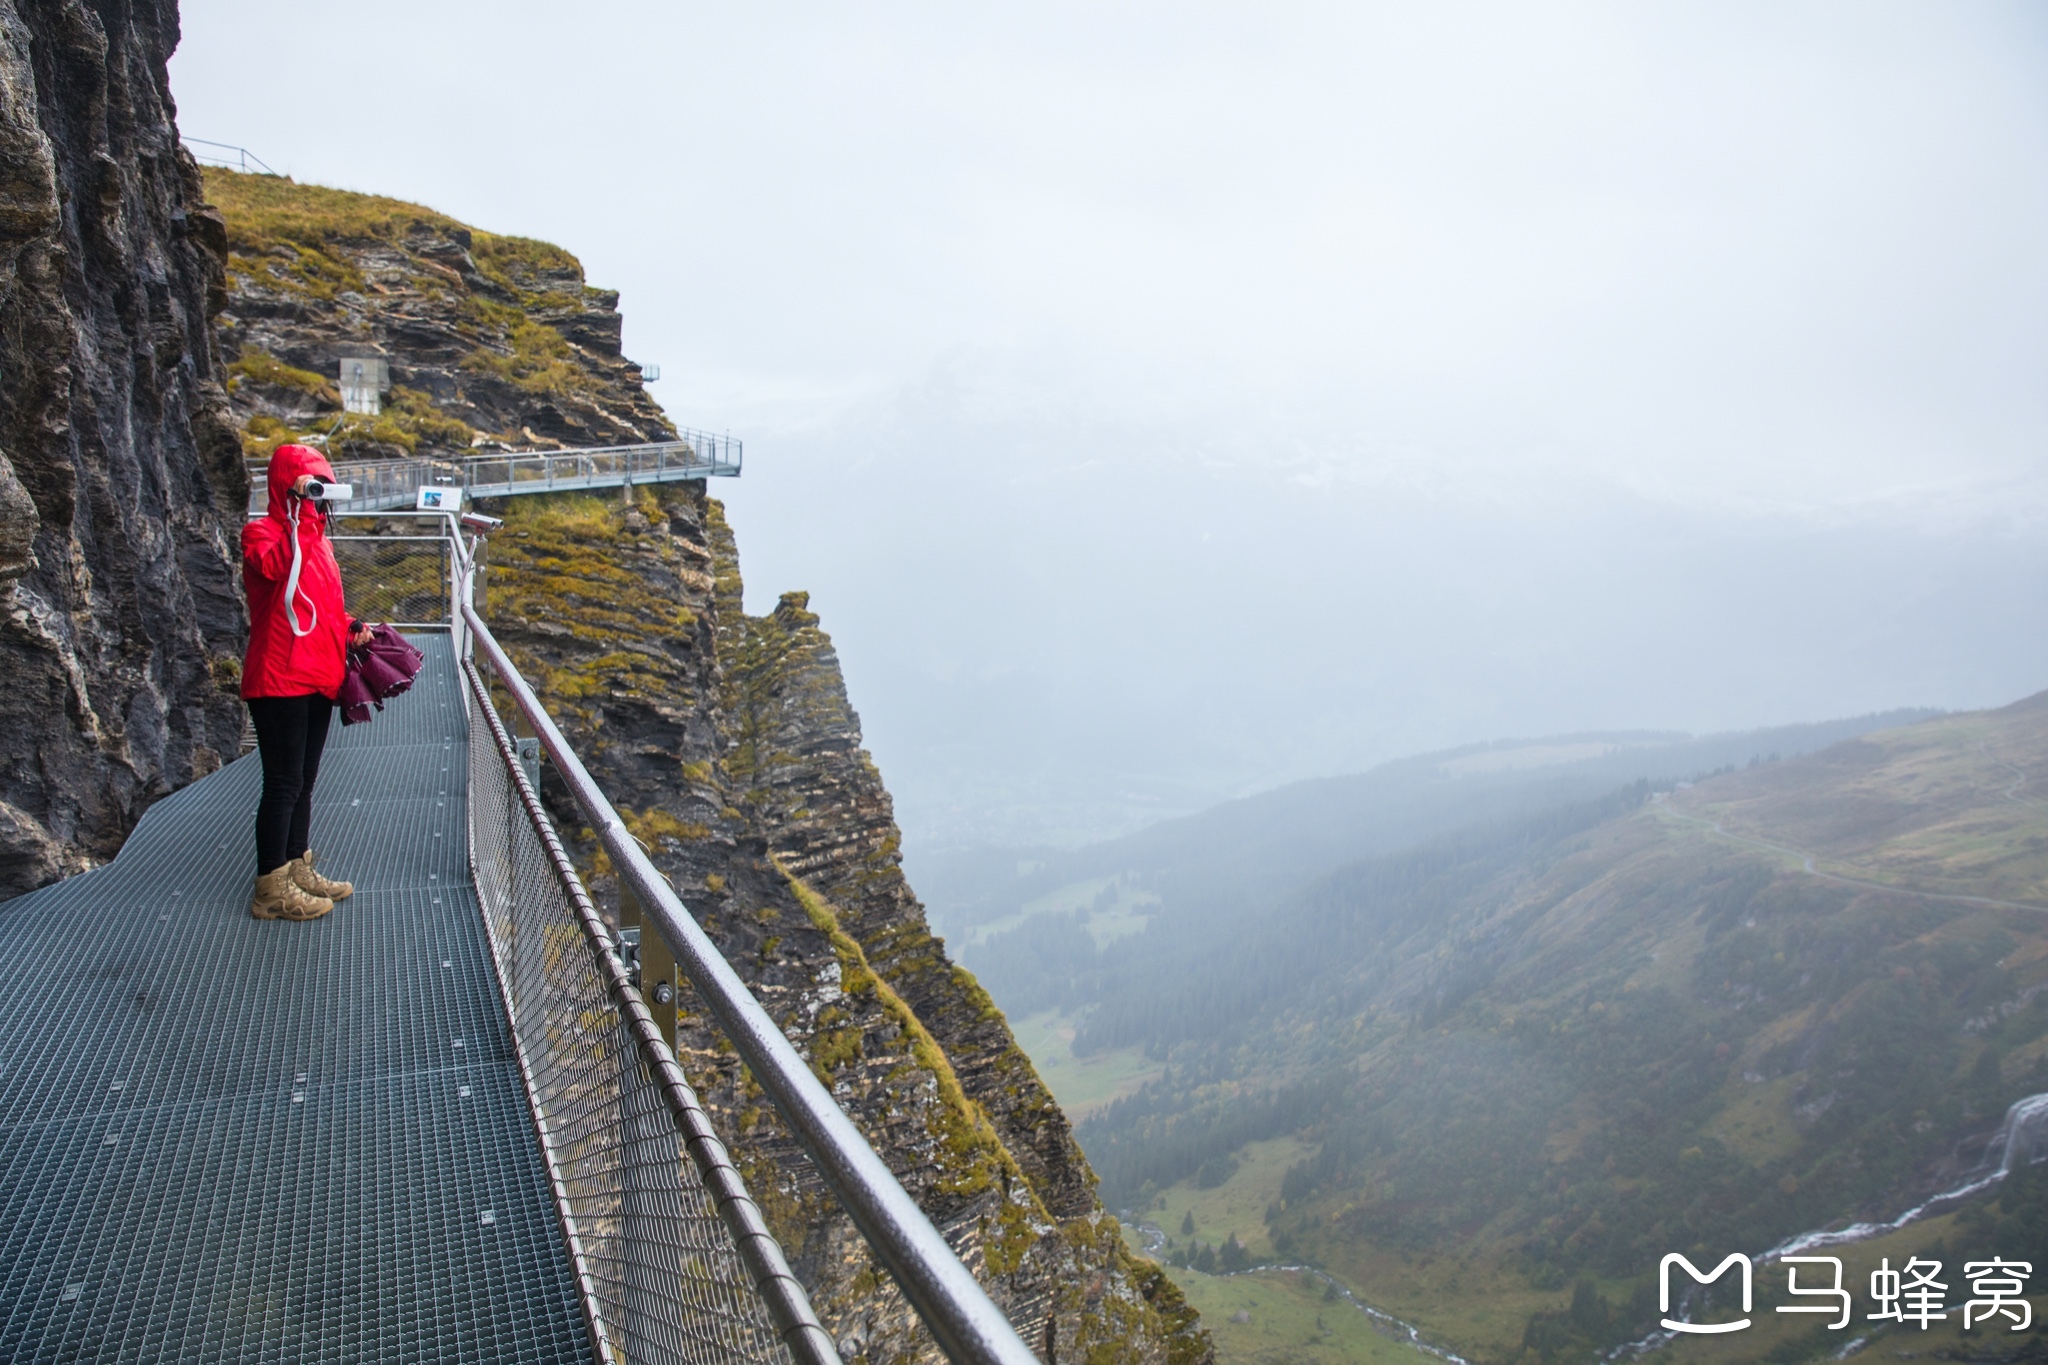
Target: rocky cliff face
{"points": [[120, 476], [490, 341], [729, 746]]}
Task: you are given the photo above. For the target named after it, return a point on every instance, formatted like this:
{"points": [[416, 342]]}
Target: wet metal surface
{"points": [[225, 1139]]}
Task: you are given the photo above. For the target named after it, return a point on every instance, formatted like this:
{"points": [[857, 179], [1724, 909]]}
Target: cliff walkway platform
{"points": [[382, 485], [441, 1123]]}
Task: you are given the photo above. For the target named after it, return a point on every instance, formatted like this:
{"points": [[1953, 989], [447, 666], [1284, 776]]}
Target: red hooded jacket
{"points": [[287, 659]]}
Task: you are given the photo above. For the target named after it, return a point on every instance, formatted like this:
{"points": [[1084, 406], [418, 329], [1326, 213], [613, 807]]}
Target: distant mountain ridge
{"points": [[1295, 832], [1245, 856]]}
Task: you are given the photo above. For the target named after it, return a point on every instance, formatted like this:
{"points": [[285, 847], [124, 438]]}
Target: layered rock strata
{"points": [[490, 341], [729, 746], [120, 474]]}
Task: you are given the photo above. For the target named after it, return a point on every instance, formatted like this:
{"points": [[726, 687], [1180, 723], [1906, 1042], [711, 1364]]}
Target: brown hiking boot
{"points": [[278, 897], [309, 880]]}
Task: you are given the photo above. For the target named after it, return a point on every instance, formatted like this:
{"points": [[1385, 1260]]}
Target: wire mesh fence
{"points": [[663, 1282], [398, 578]]}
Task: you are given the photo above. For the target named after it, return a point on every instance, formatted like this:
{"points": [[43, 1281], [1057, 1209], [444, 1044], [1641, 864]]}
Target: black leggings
{"points": [[290, 733]]}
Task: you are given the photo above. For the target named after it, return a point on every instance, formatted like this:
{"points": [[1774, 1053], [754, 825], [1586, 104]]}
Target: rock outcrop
{"points": [[120, 476], [729, 746], [490, 341]]}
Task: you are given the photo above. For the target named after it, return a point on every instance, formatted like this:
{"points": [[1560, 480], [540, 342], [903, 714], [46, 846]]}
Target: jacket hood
{"points": [[287, 463]]}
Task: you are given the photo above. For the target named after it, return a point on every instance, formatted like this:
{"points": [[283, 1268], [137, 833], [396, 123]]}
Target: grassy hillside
{"points": [[1095, 932], [1525, 1061]]}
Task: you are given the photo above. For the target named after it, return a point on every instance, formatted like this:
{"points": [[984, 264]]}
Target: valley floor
{"points": [[1081, 1084]]}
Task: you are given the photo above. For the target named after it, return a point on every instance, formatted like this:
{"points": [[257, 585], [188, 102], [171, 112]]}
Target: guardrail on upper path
{"points": [[383, 485]]}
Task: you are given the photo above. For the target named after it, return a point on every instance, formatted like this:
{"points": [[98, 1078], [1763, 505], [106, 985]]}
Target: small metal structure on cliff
{"points": [[447, 1125], [365, 379]]}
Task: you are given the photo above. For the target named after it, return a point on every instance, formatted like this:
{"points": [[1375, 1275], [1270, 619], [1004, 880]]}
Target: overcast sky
{"points": [[1165, 401]]}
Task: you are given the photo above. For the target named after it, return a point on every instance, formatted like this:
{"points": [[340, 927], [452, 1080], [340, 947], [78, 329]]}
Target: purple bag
{"points": [[382, 668]]}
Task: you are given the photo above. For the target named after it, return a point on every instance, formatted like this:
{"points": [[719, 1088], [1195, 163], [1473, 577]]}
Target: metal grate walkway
{"points": [[224, 1139]]}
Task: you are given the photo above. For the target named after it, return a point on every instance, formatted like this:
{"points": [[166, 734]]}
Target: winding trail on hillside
{"points": [[2011, 793], [1807, 861]]}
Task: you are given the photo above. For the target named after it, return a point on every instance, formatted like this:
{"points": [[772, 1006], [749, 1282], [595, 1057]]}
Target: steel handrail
{"points": [[787, 1303], [240, 161], [965, 1322]]}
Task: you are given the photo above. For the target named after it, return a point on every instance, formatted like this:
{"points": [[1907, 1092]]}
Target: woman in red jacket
{"points": [[299, 633]]}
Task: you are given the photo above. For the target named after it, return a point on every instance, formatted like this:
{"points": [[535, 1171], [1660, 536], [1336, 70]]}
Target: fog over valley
{"points": [[1164, 403]]}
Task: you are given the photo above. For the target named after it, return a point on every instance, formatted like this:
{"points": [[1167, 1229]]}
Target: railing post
{"points": [[658, 977], [527, 745], [651, 1185], [461, 585]]}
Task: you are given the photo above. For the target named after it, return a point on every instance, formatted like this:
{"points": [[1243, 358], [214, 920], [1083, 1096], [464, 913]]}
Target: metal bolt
{"points": [[664, 993]]}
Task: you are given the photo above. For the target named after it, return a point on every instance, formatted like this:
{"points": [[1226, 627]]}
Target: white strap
{"points": [[291, 584]]}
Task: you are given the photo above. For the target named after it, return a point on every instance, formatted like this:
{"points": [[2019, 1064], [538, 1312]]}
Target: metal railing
{"points": [[964, 1321], [664, 1250], [399, 579], [387, 484], [674, 1258], [226, 155], [676, 1262]]}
